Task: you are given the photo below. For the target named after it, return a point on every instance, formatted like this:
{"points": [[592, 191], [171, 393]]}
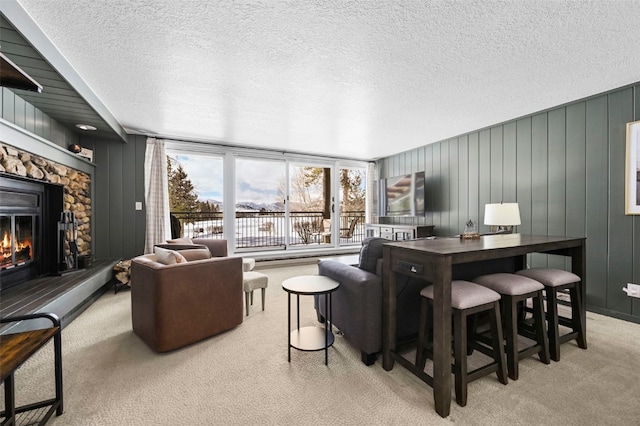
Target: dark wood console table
{"points": [[435, 261], [15, 349]]}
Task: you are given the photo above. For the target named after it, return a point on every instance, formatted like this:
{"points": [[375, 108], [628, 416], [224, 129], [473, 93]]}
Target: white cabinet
{"points": [[398, 232]]}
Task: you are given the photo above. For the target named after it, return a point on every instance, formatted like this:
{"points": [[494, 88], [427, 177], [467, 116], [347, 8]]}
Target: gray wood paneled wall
{"points": [[566, 169], [119, 184]]}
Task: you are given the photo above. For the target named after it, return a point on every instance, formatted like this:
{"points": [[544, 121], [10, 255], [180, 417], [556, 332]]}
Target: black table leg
{"points": [[57, 345], [326, 329], [289, 325]]}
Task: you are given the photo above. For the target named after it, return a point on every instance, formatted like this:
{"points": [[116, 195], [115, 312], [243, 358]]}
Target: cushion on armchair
{"points": [[196, 254], [370, 253], [168, 257]]}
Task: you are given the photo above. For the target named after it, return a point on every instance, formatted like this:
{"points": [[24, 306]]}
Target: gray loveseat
{"points": [[357, 304]]}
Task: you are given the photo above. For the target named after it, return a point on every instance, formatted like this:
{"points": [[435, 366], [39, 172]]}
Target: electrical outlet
{"points": [[138, 205], [632, 290]]}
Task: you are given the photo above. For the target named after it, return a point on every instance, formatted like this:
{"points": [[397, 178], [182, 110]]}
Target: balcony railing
{"points": [[255, 230]]}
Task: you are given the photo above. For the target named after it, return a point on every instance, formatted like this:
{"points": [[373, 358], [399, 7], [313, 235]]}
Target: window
{"points": [[195, 195], [261, 200]]}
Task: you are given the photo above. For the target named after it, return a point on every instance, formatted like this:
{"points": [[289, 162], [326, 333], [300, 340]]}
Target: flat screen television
{"points": [[403, 195]]}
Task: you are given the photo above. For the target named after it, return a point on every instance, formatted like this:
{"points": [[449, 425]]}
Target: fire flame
{"points": [[20, 246]]}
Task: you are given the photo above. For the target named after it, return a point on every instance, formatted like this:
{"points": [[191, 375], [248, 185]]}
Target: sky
{"points": [[257, 180]]}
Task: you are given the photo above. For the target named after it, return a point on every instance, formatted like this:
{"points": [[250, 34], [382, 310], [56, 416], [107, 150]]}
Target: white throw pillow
{"points": [[168, 257]]}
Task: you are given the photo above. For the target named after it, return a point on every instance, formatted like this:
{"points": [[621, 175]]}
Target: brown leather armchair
{"points": [[179, 304]]}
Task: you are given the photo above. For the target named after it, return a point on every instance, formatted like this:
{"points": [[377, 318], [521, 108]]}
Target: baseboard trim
{"points": [[614, 314]]}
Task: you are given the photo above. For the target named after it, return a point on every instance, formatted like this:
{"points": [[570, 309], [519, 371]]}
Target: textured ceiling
{"points": [[360, 79]]}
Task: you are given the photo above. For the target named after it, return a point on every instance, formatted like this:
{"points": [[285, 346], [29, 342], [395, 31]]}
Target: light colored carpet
{"points": [[242, 377]]}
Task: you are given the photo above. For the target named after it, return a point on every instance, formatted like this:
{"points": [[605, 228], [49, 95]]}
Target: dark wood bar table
{"points": [[435, 261]]}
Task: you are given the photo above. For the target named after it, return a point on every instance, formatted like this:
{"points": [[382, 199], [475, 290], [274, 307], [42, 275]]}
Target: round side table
{"points": [[310, 338]]}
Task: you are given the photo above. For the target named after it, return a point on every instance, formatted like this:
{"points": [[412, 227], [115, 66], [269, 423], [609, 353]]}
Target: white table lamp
{"points": [[502, 217]]}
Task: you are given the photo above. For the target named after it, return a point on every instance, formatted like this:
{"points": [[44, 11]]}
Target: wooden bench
{"points": [[15, 349]]}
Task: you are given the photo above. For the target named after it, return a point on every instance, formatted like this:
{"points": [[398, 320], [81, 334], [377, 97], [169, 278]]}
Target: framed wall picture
{"points": [[632, 187]]}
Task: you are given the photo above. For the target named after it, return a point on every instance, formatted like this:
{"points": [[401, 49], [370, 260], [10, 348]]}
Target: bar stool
{"points": [[467, 299], [515, 289], [555, 280]]}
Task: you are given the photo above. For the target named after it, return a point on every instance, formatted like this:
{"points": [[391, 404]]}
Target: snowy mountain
{"points": [[248, 206]]}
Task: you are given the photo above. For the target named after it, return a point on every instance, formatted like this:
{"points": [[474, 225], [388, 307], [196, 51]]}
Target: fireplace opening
{"points": [[18, 235], [28, 226]]}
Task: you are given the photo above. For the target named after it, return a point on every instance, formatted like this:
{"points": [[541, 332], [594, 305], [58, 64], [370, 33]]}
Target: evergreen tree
{"points": [[207, 207], [182, 194]]}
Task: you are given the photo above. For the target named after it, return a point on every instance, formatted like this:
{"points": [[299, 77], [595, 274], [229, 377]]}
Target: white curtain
{"points": [[371, 211], [156, 194]]}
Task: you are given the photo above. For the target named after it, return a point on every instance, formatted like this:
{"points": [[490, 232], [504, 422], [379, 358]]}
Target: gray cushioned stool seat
{"points": [[515, 290], [252, 280], [467, 299], [554, 281], [550, 277], [509, 284], [465, 294]]}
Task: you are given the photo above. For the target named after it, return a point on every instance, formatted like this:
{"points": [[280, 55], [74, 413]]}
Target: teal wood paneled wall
{"points": [[21, 113], [119, 184], [565, 167]]}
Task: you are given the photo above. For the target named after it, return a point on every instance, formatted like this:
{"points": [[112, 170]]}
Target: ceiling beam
{"points": [[13, 77]]}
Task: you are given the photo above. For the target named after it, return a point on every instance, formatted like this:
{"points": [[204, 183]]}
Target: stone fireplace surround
{"points": [[76, 186]]}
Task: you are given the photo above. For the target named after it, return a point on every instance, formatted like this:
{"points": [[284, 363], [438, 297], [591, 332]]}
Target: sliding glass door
{"points": [[310, 204], [260, 204], [352, 201]]}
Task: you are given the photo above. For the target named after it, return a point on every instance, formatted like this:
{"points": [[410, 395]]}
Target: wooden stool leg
{"points": [[246, 302], [460, 356], [263, 291], [541, 328], [576, 315], [511, 336], [251, 297], [497, 342], [552, 323], [471, 332]]}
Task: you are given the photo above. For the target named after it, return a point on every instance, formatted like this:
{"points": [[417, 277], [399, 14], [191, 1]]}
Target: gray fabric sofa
{"points": [[357, 304]]}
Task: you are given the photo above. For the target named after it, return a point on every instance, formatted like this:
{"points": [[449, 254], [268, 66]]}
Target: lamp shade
{"points": [[502, 214]]}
